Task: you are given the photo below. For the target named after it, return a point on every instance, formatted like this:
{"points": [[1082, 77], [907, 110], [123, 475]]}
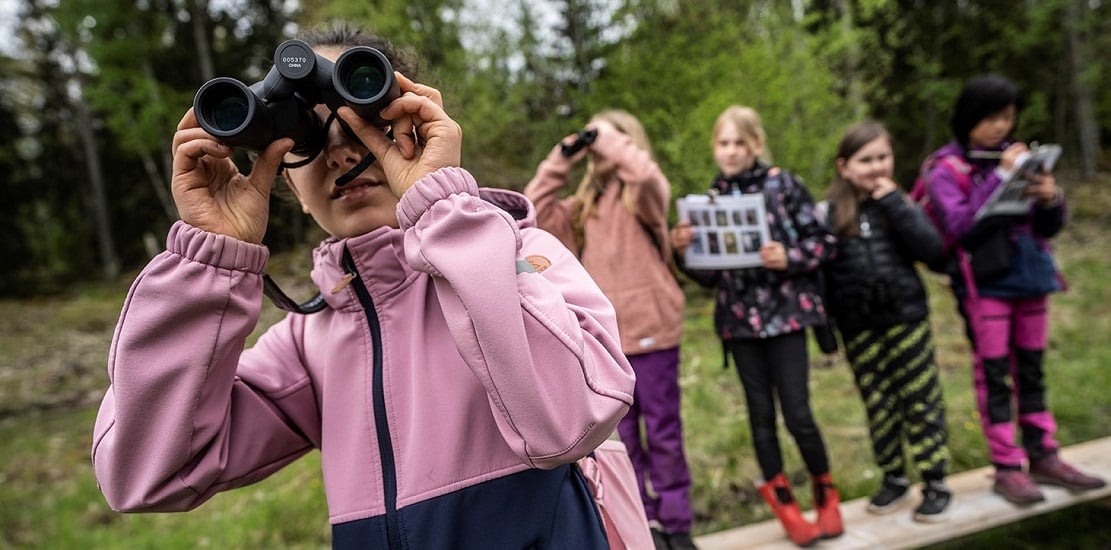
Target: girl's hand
{"points": [[681, 236], [883, 187], [210, 192], [606, 132], [1043, 188], [1010, 155], [425, 138], [774, 255], [556, 154]]}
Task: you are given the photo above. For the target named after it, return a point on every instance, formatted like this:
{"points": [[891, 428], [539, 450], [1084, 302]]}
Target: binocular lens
{"points": [[222, 106], [365, 81], [229, 113]]}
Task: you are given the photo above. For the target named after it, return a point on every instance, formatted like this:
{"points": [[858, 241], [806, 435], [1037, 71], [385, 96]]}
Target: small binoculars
{"points": [[583, 138], [281, 104]]}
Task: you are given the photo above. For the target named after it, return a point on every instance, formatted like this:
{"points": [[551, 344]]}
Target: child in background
{"points": [[448, 382], [616, 222], [879, 304], [1006, 314], [762, 313]]}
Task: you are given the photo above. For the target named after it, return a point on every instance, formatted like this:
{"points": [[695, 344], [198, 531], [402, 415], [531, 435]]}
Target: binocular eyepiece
{"points": [[280, 105], [584, 137]]}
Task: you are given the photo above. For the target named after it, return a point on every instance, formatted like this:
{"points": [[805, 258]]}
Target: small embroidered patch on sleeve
{"points": [[539, 263]]}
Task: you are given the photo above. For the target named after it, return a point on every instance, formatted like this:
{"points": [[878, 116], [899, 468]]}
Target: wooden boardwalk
{"points": [[975, 508]]}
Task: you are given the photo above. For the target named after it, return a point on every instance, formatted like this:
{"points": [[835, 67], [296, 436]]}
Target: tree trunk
{"points": [[158, 184], [1087, 125], [198, 13], [109, 259], [158, 178], [852, 58]]}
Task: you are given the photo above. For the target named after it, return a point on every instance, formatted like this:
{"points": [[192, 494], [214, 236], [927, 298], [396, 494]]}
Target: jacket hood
{"points": [[516, 204]]}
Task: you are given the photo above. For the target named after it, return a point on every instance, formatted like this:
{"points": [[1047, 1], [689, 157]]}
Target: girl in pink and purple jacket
{"points": [[1006, 313], [462, 360]]}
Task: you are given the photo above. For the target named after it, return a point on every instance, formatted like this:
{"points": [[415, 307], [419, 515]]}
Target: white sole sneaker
{"points": [[890, 507]]}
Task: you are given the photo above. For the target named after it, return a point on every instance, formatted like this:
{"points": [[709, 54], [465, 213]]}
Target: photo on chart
{"points": [[728, 230]]}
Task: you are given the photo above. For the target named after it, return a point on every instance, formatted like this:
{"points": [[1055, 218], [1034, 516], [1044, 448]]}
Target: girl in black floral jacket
{"points": [[762, 313]]}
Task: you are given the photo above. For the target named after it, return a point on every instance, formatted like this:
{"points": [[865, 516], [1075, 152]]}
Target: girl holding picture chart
{"points": [[762, 313]]}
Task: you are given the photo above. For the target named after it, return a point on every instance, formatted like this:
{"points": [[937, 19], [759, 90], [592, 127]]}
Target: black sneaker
{"points": [[659, 540], [681, 541], [936, 498], [890, 495]]}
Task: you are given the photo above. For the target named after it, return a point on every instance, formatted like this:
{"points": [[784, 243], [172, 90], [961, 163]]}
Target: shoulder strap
{"points": [[960, 167]]}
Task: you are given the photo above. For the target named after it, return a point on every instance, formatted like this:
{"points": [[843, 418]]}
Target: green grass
{"points": [[50, 499], [52, 367]]}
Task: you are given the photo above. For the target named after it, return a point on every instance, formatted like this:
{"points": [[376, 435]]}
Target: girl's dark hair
{"points": [[981, 97], [842, 195], [344, 35]]}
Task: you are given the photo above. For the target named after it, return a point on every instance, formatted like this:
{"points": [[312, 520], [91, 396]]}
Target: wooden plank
{"points": [[975, 508]]}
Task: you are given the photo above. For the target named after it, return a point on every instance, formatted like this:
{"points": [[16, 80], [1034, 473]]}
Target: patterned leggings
{"points": [[898, 381]]}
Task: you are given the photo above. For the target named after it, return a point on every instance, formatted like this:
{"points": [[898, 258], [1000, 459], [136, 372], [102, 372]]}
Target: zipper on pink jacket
{"points": [[382, 428]]}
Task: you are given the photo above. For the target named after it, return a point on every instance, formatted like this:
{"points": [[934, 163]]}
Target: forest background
{"points": [[91, 91]]}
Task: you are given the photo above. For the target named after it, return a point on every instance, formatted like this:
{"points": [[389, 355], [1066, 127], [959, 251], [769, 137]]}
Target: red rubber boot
{"points": [[828, 504], [777, 492]]}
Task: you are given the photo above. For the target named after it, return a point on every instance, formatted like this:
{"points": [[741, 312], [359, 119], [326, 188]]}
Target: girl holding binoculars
{"points": [[462, 362], [616, 222]]}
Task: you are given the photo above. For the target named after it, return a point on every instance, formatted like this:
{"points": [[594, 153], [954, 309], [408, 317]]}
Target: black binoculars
{"points": [[583, 138], [281, 104]]}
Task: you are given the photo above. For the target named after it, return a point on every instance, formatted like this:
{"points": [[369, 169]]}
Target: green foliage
{"points": [[679, 70], [518, 82]]}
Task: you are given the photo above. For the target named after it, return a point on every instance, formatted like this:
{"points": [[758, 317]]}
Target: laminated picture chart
{"points": [[1009, 199], [728, 230]]}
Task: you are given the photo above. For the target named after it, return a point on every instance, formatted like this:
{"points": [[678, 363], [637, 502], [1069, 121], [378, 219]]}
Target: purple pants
{"points": [[657, 452], [1010, 337]]}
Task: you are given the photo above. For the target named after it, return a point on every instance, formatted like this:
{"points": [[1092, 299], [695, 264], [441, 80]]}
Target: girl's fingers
{"points": [[189, 153], [188, 120], [372, 136], [404, 134], [421, 109], [407, 85], [266, 165]]}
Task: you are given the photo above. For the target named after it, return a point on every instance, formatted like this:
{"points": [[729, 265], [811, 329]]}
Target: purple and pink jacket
{"points": [[446, 380], [1034, 273]]}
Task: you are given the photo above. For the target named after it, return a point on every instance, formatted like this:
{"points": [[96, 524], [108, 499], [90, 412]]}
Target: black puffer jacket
{"points": [[872, 281]]}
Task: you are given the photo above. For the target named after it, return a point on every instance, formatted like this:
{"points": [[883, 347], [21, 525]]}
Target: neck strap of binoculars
{"points": [[284, 302]]}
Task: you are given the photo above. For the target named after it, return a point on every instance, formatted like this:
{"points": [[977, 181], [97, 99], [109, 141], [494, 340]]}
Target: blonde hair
{"points": [[748, 123], [593, 183]]}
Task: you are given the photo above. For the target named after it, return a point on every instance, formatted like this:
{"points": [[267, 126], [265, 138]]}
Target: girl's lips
{"points": [[354, 188]]}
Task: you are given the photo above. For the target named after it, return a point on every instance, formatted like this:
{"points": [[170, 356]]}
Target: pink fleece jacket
{"points": [[487, 368], [626, 240]]}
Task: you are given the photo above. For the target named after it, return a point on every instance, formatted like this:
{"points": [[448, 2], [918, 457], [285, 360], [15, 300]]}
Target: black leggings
{"points": [[779, 366]]}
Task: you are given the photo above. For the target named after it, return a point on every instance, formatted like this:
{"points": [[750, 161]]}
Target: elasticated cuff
{"points": [[433, 187], [216, 250]]}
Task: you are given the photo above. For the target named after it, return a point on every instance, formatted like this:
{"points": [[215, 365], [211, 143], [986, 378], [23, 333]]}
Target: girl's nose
{"points": [[340, 152]]}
